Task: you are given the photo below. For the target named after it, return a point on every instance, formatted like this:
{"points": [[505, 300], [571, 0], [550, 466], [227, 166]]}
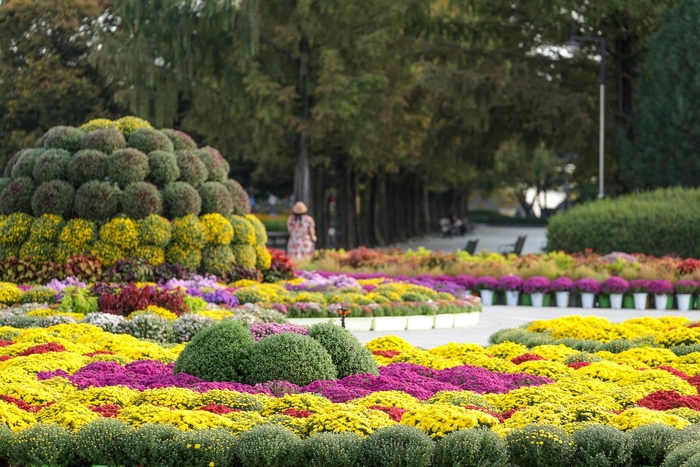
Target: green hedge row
{"points": [[657, 223], [112, 442]]}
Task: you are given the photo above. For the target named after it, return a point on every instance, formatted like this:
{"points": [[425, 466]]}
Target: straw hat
{"points": [[299, 208]]}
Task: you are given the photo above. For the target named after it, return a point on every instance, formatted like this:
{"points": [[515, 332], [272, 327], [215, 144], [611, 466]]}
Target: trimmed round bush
{"points": [[181, 199], [5, 437], [218, 259], [263, 258], [197, 448], [651, 442], [241, 202], [680, 455], [17, 196], [4, 182], [87, 165], [42, 444], [141, 199], [215, 199], [53, 197], [188, 231], [11, 163], [15, 228], [63, 137], [106, 140], [471, 448], [260, 232], [39, 294], [97, 201], [217, 353], [51, 165], [539, 446], [189, 258], [107, 253], [268, 445], [154, 230], [142, 443], [127, 166], [602, 446], [149, 139], [331, 450], [189, 324], [37, 251], [192, 169], [152, 327], [406, 446], [243, 231], [24, 166], [349, 356], [179, 139], [121, 233], [244, 255], [163, 168], [217, 167], [292, 357], [103, 442], [129, 124]]}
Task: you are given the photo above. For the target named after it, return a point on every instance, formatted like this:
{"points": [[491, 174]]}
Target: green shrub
{"points": [[42, 445], [263, 258], [105, 140], [179, 139], [192, 169], [217, 167], [151, 327], [680, 455], [39, 294], [602, 446], [349, 356], [141, 444], [295, 358], [243, 231], [655, 223], [24, 166], [269, 446], [651, 443], [47, 227], [127, 166], [397, 446], [103, 442], [4, 182], [215, 199], [539, 446], [471, 448], [260, 232], [15, 229], [199, 448], [241, 202], [244, 255], [181, 199], [129, 124], [331, 450], [63, 137], [154, 230], [148, 139], [218, 259], [189, 324], [189, 258], [141, 199], [582, 357], [38, 251], [616, 346], [217, 353], [51, 165], [53, 197], [188, 231], [163, 168], [97, 201], [87, 165], [11, 163], [17, 196], [5, 437]]}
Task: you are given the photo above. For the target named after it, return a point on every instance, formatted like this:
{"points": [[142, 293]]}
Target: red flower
{"points": [[218, 409], [4, 343], [675, 372], [577, 365], [19, 403], [667, 400], [526, 357], [395, 413], [43, 348], [5, 357], [386, 353], [297, 413], [509, 413], [107, 410], [99, 352]]}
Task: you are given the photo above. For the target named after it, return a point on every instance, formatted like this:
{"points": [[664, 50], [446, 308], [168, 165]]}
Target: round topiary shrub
{"points": [[188, 257], [5, 437], [127, 166], [11, 163], [215, 199], [539, 445], [260, 232], [181, 199], [600, 445], [121, 233], [349, 356], [148, 139], [397, 445], [130, 123], [107, 253], [153, 255], [163, 168], [292, 357], [241, 202], [179, 139], [46, 227], [244, 255], [15, 228], [142, 443], [217, 228], [681, 455], [53, 197], [268, 445], [218, 259], [42, 444], [263, 258], [197, 448], [106, 140], [62, 137], [244, 232], [51, 165], [331, 450], [217, 167], [217, 353], [141, 199], [24, 166], [78, 233], [188, 231], [192, 169], [476, 447], [154, 230], [97, 201], [98, 124], [87, 165], [17, 196], [4, 182], [651, 442], [103, 442]]}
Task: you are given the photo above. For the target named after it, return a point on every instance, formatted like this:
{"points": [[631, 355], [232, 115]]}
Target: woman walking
{"points": [[302, 233]]}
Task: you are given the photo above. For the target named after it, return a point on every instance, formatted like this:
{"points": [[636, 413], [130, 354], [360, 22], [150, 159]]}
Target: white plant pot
{"points": [[486, 297], [684, 301], [537, 299], [420, 322], [562, 299], [661, 301], [463, 320], [616, 301], [356, 324], [468, 293], [512, 297], [587, 300], [444, 320], [640, 300], [390, 323]]}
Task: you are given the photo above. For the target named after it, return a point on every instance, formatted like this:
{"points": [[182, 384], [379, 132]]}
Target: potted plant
{"points": [[660, 288], [615, 287], [486, 285], [640, 291], [588, 288], [511, 286], [562, 287], [685, 289], [536, 286], [468, 282]]}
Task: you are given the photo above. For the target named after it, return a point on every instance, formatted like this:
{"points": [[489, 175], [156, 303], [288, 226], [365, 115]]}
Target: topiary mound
{"points": [[348, 355], [87, 165], [141, 199], [105, 140], [148, 140], [215, 199]]}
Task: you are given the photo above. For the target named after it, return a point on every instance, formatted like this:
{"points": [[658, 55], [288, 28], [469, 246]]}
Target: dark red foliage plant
{"points": [[131, 298]]}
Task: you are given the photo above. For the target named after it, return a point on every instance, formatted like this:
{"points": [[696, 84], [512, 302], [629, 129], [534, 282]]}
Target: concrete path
{"points": [[494, 318]]}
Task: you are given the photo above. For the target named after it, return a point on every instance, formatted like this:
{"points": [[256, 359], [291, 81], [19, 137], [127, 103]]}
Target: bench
{"points": [[513, 248], [277, 239], [471, 246]]}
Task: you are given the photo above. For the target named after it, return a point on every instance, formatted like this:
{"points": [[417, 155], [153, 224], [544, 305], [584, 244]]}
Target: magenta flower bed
{"points": [[615, 285], [537, 284]]}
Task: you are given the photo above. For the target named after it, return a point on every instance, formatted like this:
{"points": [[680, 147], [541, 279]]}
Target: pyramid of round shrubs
{"points": [[123, 189]]}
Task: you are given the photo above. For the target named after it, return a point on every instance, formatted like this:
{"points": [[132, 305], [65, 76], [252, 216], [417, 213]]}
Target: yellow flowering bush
{"points": [[130, 123], [154, 230], [567, 416], [639, 416], [460, 398], [155, 310], [343, 418], [120, 395], [215, 314], [120, 232], [9, 293], [107, 253], [388, 399], [14, 418], [263, 257], [14, 228], [99, 124], [439, 420], [506, 350], [67, 415], [171, 397], [77, 233], [217, 229], [421, 357], [190, 258], [46, 227], [302, 401], [189, 232], [244, 421], [153, 255], [389, 342], [678, 336], [235, 400]]}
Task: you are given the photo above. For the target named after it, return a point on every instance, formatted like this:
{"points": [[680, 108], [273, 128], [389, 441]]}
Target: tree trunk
{"points": [[302, 173]]}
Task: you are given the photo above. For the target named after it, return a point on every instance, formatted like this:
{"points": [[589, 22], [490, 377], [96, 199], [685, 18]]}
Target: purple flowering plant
{"points": [[537, 284], [509, 283], [562, 284], [639, 286], [685, 286], [660, 287], [587, 285], [616, 285], [486, 283]]}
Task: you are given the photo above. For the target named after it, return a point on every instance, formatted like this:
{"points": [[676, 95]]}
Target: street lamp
{"points": [[573, 48]]}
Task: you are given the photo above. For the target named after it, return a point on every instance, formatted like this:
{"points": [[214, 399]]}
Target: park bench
{"points": [[277, 239], [513, 248], [471, 246]]}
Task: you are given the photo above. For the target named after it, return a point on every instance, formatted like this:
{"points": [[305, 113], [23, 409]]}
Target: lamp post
{"points": [[573, 47]]}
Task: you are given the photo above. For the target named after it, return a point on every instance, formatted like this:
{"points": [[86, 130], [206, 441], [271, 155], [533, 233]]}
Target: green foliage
{"points": [[163, 168], [97, 201], [46, 227], [87, 165], [198, 448], [37, 251], [331, 450], [243, 231], [192, 169], [217, 353], [217, 167], [189, 324], [651, 443], [104, 140], [680, 455], [142, 444], [42, 444], [218, 259], [154, 230], [189, 258], [602, 446], [215, 199], [50, 165], [181, 199], [348, 354], [148, 140], [7, 173], [4, 182], [188, 231], [39, 295], [24, 166], [78, 300], [656, 223], [260, 232], [244, 255], [63, 137], [582, 357], [141, 199], [5, 437], [127, 166], [151, 327], [103, 442], [15, 228], [397, 446], [53, 197], [292, 357], [179, 139], [241, 202], [268, 445], [17, 196], [539, 446], [471, 448]]}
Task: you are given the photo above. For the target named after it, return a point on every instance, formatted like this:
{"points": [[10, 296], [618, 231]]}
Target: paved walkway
{"points": [[494, 318]]}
